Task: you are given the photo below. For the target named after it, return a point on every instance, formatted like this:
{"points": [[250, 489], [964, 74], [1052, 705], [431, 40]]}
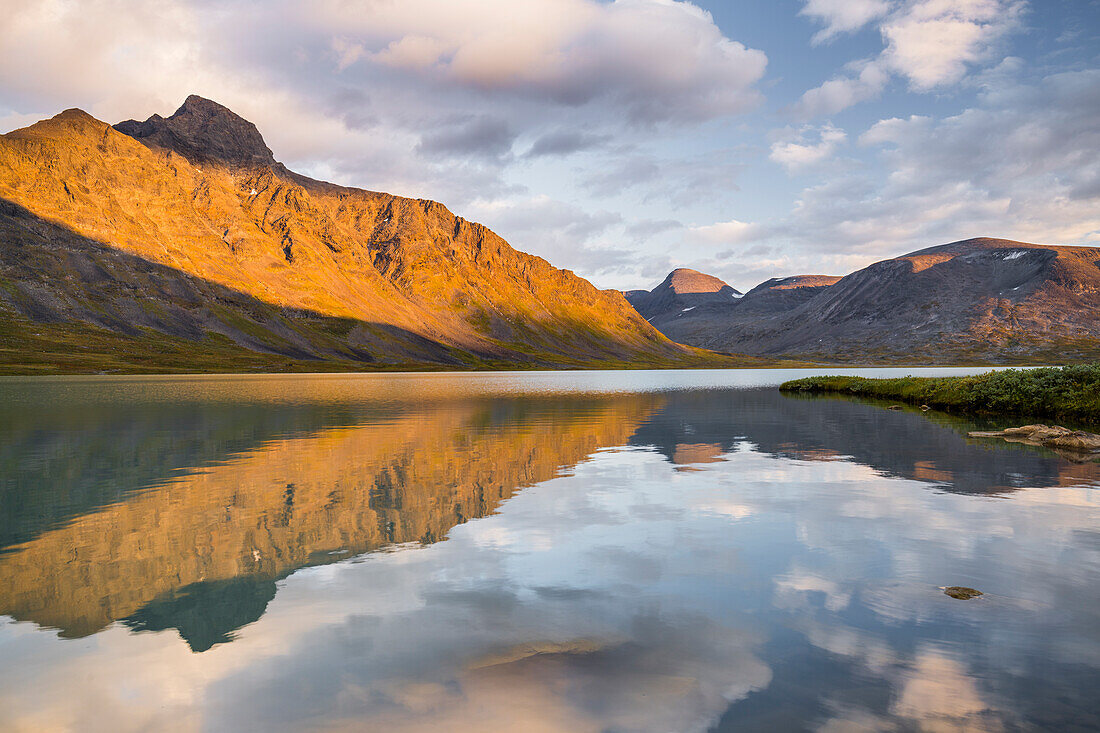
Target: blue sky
{"points": [[623, 139]]}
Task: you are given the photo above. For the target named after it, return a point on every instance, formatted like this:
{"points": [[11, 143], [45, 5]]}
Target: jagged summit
{"points": [[202, 130], [185, 231]]}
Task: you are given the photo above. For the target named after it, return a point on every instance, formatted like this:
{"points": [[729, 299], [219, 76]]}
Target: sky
{"points": [[623, 139]]}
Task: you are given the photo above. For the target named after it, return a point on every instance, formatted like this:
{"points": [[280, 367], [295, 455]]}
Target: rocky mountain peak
{"points": [[71, 124], [684, 280], [202, 130], [683, 289]]}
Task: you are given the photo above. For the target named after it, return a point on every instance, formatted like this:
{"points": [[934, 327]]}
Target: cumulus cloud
{"points": [[724, 232], [659, 59], [1022, 163], [930, 43], [448, 101], [807, 146], [933, 42], [1024, 143], [842, 92], [842, 16]]}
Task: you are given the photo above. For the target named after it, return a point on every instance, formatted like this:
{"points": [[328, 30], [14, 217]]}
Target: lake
{"points": [[567, 551]]}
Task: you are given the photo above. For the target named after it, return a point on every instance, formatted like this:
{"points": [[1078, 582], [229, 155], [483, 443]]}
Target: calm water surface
{"points": [[599, 551]]}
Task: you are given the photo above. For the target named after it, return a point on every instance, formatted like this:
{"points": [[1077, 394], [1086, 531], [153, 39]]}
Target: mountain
{"points": [[683, 288], [181, 243], [979, 300], [692, 317]]}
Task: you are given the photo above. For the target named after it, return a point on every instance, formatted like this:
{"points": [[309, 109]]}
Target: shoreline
{"points": [[1052, 392]]}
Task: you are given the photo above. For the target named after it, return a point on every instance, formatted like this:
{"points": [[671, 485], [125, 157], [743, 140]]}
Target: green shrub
{"points": [[1072, 391]]}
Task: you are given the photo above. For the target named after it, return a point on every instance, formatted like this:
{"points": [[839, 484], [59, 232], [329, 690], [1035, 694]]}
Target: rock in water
{"points": [[961, 592], [1048, 436]]}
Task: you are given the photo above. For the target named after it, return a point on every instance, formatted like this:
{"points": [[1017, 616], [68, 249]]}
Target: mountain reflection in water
{"points": [[649, 558]]}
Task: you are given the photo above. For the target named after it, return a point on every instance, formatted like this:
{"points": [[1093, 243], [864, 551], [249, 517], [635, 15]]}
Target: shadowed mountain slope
{"points": [[694, 318], [978, 300], [185, 230]]}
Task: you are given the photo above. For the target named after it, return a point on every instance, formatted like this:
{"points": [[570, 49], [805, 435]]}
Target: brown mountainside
{"points": [[985, 300], [185, 235]]}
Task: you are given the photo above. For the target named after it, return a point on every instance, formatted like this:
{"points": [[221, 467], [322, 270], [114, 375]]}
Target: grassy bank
{"points": [[28, 348], [1070, 392]]}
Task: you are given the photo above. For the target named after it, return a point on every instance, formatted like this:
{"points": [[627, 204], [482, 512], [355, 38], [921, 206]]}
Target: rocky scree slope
{"points": [[183, 235]]}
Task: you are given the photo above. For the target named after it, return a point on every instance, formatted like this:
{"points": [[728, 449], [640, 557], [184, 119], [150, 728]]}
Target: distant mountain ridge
{"points": [[683, 288], [691, 318], [985, 299], [184, 235]]}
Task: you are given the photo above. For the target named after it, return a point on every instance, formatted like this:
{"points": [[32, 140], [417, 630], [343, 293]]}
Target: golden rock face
{"points": [[236, 525], [191, 229]]}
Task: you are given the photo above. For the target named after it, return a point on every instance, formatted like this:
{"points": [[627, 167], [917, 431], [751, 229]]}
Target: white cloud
{"points": [[658, 60], [724, 232], [1035, 147], [931, 43], [796, 150], [412, 52], [1022, 163], [842, 92], [842, 16], [417, 97], [934, 41]]}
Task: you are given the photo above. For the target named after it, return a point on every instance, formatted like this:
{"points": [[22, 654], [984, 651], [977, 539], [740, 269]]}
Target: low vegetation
{"points": [[1060, 392], [30, 348]]}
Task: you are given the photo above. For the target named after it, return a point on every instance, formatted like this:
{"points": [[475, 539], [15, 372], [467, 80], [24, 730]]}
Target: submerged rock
{"points": [[961, 592], [1048, 436]]}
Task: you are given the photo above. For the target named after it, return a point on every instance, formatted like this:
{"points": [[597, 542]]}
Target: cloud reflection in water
{"points": [[788, 581]]}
